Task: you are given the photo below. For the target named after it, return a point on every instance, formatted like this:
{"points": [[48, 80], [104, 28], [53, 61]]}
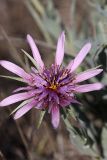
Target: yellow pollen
{"points": [[53, 87]]}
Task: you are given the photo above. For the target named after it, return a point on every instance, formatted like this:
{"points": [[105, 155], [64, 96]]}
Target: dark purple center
{"points": [[54, 85]]}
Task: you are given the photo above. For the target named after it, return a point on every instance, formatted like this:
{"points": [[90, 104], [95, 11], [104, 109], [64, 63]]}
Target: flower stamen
{"points": [[53, 87]]}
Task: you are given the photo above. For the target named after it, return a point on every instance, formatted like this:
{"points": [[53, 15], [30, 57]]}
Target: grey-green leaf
{"points": [[13, 78], [21, 105], [31, 59], [42, 113]]}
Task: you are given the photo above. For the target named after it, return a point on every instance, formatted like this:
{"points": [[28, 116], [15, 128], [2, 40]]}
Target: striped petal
{"points": [[60, 49], [15, 98], [88, 87], [35, 52], [80, 57], [55, 116], [87, 74], [39, 104], [14, 69], [23, 110], [70, 64]]}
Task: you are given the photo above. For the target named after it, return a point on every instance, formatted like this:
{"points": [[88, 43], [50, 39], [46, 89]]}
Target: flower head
{"points": [[50, 88]]}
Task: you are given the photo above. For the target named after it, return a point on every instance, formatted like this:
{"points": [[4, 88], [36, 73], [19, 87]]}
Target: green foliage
{"points": [[13, 78], [42, 114]]}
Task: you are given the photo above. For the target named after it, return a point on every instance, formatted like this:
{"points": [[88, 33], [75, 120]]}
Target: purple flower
{"points": [[50, 88]]}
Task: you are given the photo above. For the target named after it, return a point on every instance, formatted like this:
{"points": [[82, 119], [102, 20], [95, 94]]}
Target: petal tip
{"points": [[101, 86], [100, 70], [1, 62], [60, 49], [55, 117], [88, 45], [16, 116], [28, 37], [55, 124], [63, 34], [1, 105]]}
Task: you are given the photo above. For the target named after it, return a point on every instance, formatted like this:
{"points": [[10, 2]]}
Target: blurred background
{"points": [[82, 21]]}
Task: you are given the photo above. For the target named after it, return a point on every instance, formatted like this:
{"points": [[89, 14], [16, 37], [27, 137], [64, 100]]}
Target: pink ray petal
{"points": [[87, 74], [88, 87], [39, 104], [54, 96], [14, 69], [70, 64], [43, 95], [15, 98], [35, 52], [60, 49], [50, 106], [24, 110], [55, 116], [80, 57]]}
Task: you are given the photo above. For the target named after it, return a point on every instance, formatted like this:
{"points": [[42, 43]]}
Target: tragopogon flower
{"points": [[50, 88]]}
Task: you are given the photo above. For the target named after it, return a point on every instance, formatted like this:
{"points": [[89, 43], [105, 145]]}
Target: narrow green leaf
{"points": [[38, 6], [39, 22], [13, 78], [69, 126], [31, 59], [72, 113], [42, 113], [21, 105]]}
